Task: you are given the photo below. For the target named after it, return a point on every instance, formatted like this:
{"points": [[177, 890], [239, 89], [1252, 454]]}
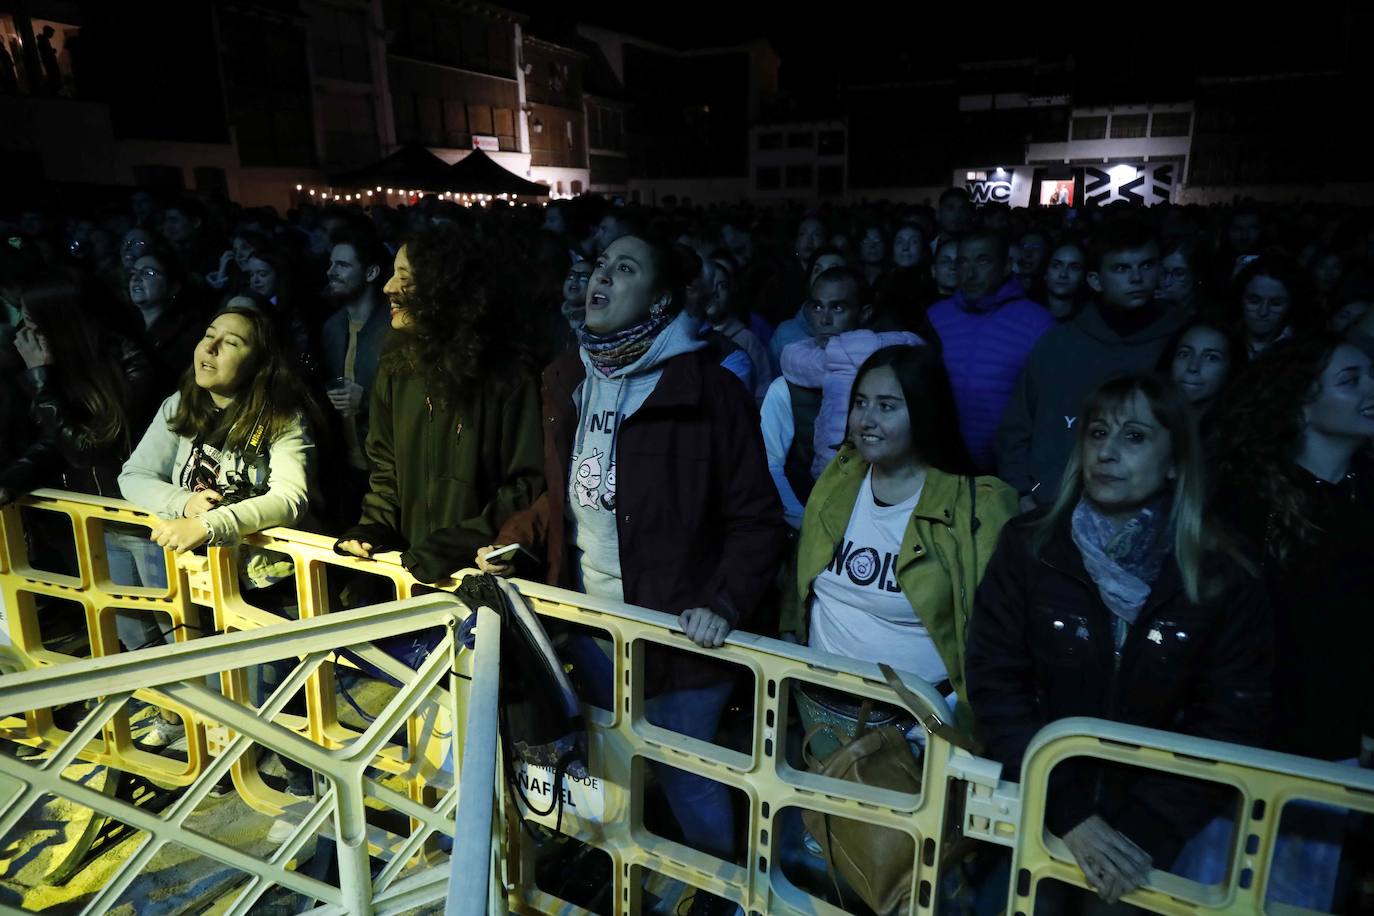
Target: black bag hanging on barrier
{"points": [[541, 717]]}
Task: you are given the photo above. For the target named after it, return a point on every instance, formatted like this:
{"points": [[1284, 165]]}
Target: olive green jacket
{"points": [[943, 554]]}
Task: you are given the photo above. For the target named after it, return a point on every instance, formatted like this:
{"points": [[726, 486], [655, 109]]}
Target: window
{"points": [[830, 179], [801, 140], [799, 176], [767, 178], [480, 120], [14, 75], [770, 140], [54, 43], [349, 130], [1170, 123], [1129, 127], [475, 45], [456, 123], [338, 39], [503, 120], [831, 143], [1090, 128], [576, 187]]}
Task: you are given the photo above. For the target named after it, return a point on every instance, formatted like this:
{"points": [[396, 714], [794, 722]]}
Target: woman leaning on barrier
{"points": [[1121, 602], [658, 495], [895, 538], [229, 454], [454, 440]]}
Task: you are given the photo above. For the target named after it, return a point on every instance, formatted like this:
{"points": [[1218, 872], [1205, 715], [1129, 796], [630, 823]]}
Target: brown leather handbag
{"points": [[876, 862]]}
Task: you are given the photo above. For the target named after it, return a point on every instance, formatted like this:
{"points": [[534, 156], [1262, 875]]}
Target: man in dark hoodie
{"points": [[986, 332], [1122, 332]]}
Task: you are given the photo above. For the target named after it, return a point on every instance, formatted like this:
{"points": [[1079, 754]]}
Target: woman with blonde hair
{"points": [[1121, 601]]}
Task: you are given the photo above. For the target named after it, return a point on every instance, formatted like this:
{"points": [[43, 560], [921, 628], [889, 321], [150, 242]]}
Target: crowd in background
{"points": [[1103, 461]]}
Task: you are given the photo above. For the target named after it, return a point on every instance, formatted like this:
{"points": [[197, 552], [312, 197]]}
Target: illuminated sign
{"points": [[490, 144], [989, 190]]}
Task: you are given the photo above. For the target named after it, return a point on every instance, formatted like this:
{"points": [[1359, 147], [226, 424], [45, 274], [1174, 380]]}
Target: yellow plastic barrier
{"points": [[1265, 782], [961, 793]]}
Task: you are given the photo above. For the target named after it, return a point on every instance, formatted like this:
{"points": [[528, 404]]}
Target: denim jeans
{"points": [[700, 805], [135, 560]]}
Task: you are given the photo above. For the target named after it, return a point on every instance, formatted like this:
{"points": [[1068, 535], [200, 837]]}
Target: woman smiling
{"points": [[895, 537]]}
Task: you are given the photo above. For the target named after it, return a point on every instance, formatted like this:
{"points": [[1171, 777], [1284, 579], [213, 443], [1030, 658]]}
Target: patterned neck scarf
{"points": [[1123, 559], [622, 348]]}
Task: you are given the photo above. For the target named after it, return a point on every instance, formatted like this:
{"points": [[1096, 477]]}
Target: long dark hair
{"points": [[1262, 432], [921, 375], [89, 375], [273, 398]]}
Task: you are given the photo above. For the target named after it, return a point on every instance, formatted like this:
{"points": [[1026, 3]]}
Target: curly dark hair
{"points": [[463, 298], [1261, 427]]}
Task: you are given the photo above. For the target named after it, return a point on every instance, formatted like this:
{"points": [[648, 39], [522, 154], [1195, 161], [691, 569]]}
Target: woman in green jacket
{"points": [[895, 538], [454, 441]]}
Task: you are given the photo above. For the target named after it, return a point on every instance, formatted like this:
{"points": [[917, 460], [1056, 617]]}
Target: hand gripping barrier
{"points": [[1264, 781], [630, 747]]}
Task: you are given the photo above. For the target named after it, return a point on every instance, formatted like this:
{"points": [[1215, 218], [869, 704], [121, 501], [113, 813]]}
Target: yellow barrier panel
{"points": [[960, 792], [193, 582], [1265, 782]]}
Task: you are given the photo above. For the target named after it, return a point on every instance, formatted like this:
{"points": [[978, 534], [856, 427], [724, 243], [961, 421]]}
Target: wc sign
{"points": [[996, 190]]}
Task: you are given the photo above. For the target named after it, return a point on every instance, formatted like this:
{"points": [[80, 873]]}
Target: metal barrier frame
{"points": [[178, 671]]}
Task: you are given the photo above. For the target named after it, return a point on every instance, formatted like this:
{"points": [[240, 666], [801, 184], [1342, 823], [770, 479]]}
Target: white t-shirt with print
{"points": [[859, 610]]}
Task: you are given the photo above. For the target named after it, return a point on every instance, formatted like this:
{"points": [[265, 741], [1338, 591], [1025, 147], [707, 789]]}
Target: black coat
{"points": [[699, 520], [58, 452], [1041, 648]]}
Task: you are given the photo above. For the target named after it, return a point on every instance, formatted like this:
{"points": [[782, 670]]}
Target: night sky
{"points": [[1163, 42]]}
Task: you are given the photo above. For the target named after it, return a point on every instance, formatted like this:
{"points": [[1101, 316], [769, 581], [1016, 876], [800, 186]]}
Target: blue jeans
{"points": [[1307, 853], [135, 560], [700, 805]]}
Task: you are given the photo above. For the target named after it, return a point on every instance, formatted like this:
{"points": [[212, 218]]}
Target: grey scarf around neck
{"points": [[1123, 559]]}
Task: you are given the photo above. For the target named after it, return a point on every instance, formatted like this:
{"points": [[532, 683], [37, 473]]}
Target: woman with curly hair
{"points": [[455, 441], [1296, 472]]}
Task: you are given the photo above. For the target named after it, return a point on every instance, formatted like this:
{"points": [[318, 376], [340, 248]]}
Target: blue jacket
{"points": [[985, 344]]}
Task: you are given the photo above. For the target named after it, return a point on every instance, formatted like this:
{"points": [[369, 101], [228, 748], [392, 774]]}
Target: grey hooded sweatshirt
{"points": [[1067, 365], [603, 403]]}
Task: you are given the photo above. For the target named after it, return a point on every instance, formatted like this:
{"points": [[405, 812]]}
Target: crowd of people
{"points": [[1109, 462]]}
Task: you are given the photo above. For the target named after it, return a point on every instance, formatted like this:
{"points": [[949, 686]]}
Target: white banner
{"points": [[584, 799]]}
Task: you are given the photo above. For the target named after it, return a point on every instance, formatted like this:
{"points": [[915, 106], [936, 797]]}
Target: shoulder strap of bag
{"points": [[931, 722]]}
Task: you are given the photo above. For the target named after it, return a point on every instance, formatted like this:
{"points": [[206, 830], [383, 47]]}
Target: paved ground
{"points": [[177, 881]]}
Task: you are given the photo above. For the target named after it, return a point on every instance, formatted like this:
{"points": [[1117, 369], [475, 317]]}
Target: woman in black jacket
{"points": [[85, 384], [1297, 476], [1121, 602]]}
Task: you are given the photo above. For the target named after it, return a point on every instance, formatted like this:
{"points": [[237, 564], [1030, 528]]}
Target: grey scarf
{"points": [[1123, 559]]}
